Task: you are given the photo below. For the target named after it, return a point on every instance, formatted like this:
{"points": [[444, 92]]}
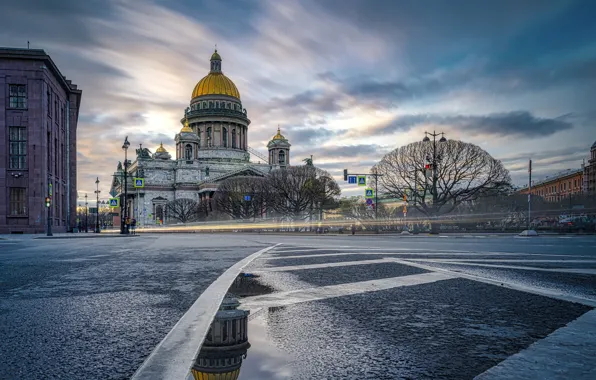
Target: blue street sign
{"points": [[139, 182], [114, 202], [247, 197], [369, 193], [369, 201], [361, 180], [352, 179]]}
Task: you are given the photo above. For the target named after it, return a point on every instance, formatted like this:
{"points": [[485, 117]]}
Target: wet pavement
{"points": [[332, 323], [96, 308], [328, 307]]}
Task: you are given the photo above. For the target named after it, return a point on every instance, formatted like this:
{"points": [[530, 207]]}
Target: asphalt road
{"points": [[81, 308], [429, 307]]}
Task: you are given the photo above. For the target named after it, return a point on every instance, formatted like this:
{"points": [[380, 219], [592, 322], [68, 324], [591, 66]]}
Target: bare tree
{"points": [[184, 210], [463, 173], [298, 191], [323, 192], [242, 197]]}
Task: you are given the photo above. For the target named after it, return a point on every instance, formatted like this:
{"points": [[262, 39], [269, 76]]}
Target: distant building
{"points": [[559, 186], [590, 172], [38, 123], [212, 146]]}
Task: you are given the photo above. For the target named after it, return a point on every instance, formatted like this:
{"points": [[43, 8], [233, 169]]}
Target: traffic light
{"points": [[427, 167], [48, 201], [345, 174]]}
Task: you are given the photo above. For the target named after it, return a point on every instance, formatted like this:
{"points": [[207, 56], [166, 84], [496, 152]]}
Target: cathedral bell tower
{"points": [[279, 151], [187, 143]]}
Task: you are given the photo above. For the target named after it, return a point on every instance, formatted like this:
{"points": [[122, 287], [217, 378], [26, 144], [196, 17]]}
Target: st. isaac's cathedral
{"points": [[211, 147]]}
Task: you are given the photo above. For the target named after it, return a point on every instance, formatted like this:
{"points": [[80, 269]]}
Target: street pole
{"points": [[124, 212], [97, 207], [86, 215], [529, 193], [435, 159]]}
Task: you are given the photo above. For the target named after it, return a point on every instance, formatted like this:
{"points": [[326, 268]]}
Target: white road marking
{"points": [[271, 257], [323, 265], [552, 293], [339, 290], [567, 353], [346, 249], [509, 260], [173, 357], [537, 269]]}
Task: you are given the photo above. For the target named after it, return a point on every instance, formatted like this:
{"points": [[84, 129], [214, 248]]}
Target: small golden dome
{"points": [[161, 149], [186, 128], [215, 56], [278, 136]]}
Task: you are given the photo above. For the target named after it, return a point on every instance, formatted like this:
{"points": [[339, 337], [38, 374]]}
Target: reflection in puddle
{"points": [[226, 344]]}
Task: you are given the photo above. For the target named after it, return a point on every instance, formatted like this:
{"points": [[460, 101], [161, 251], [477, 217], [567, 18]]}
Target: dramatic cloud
{"points": [[518, 123], [346, 80]]}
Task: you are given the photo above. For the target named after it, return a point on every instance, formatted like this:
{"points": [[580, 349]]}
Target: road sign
{"points": [[352, 179], [247, 197], [139, 182], [369, 193], [369, 201], [114, 202], [361, 180]]}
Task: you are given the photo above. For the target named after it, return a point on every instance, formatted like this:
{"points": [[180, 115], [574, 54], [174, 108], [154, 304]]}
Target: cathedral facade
{"points": [[212, 146]]}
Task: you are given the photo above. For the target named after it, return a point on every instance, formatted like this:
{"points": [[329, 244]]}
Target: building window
{"points": [[225, 137], [56, 110], [56, 157], [282, 157], [208, 136], [18, 148], [234, 138], [49, 152], [49, 103], [18, 201], [188, 152], [18, 96]]}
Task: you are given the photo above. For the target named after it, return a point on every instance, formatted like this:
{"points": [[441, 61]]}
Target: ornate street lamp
{"points": [[97, 207], [123, 208], [434, 159], [86, 215]]}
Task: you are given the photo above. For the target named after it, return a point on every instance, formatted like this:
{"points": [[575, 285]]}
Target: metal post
{"points": [[97, 207], [376, 200], [529, 193], [86, 215], [123, 208]]}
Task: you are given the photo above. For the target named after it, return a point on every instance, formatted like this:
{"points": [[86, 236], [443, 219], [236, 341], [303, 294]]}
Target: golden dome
{"points": [[186, 128], [278, 136], [216, 83], [161, 149]]}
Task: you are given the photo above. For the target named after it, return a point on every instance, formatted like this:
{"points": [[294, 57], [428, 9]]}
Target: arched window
{"points": [[216, 104], [282, 157], [234, 138], [228, 106], [210, 104], [188, 152], [209, 137], [204, 105], [225, 137]]}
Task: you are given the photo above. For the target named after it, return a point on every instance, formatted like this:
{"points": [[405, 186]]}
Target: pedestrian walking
{"points": [[133, 224], [353, 229]]}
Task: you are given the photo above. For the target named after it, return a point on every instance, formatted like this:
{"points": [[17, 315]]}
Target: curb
{"points": [[85, 237], [174, 356]]}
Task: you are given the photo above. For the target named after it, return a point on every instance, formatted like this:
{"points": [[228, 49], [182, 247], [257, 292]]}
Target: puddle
{"points": [[236, 346]]}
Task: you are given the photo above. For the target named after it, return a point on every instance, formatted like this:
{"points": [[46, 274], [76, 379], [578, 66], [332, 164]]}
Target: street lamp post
{"points": [[86, 215], [434, 160], [97, 206], [123, 211]]}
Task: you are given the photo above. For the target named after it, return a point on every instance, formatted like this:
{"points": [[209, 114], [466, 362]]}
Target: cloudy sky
{"points": [[347, 80]]}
